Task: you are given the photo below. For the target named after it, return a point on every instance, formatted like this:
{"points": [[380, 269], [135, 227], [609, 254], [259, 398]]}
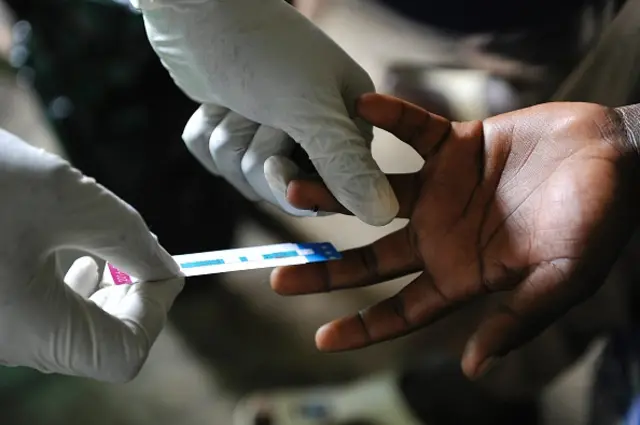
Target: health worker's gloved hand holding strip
{"points": [[69, 325], [263, 72]]}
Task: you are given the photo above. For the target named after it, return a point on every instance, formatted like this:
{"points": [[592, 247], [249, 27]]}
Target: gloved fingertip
{"points": [[195, 127], [202, 122], [278, 174], [376, 204]]}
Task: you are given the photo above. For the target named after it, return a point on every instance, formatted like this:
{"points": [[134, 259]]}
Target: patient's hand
{"points": [[538, 202]]}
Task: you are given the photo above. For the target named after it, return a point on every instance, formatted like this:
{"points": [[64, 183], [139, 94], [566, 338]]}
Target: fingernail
{"points": [[486, 366], [321, 337]]}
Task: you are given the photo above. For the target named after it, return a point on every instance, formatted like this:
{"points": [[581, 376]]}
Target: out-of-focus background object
{"points": [[81, 79]]}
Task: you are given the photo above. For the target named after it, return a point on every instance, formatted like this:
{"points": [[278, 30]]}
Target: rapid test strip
{"points": [[231, 260]]}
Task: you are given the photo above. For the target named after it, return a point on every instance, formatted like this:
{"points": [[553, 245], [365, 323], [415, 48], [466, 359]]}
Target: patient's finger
{"points": [[418, 304], [421, 130], [536, 303], [390, 257], [314, 195]]}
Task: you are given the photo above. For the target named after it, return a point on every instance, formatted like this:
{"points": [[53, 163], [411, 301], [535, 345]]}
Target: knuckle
{"points": [[218, 146], [197, 129], [191, 139], [224, 144], [252, 163], [229, 162]]}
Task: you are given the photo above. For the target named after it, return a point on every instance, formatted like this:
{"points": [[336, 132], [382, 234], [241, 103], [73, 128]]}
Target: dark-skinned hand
{"points": [[538, 202]]}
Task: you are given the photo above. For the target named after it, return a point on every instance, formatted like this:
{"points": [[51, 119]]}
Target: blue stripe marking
{"points": [[202, 263], [244, 259], [286, 254]]}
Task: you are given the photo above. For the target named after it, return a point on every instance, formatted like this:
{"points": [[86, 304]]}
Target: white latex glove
{"points": [[47, 325], [261, 70]]}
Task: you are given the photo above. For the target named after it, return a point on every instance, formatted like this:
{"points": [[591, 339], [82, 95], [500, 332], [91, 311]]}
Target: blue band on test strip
{"points": [[195, 264]]}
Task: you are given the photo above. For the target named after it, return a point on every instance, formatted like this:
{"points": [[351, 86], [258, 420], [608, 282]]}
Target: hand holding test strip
{"points": [[230, 260]]}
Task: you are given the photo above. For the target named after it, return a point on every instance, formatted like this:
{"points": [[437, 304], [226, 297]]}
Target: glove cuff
{"points": [[145, 5]]}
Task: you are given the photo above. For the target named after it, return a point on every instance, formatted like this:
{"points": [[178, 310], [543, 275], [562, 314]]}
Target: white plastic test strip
{"points": [[231, 260]]}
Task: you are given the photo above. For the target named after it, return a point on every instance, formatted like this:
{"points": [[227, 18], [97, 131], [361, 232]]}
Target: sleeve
{"points": [[608, 75]]}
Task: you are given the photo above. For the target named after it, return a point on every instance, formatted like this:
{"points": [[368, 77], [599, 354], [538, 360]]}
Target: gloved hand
{"points": [[52, 327], [261, 70]]}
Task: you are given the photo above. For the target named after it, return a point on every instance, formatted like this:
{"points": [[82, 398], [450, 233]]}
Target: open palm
{"points": [[538, 202]]}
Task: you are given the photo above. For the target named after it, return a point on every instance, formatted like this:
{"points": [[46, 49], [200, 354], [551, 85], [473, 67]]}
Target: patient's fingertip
{"points": [[367, 98], [275, 280], [477, 361], [296, 194], [324, 338], [470, 358], [280, 281], [365, 105]]}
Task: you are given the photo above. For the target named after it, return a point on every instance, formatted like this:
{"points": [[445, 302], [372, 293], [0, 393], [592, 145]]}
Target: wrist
{"points": [[630, 116]]}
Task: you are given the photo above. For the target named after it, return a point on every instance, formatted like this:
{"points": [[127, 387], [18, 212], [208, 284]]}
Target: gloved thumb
{"points": [[342, 156], [115, 330], [109, 337], [106, 337]]}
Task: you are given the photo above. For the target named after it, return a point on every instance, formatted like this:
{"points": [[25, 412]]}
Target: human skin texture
{"points": [[536, 204]]}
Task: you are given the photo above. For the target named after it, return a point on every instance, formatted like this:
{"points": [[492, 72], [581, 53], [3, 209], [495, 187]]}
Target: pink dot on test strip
{"points": [[119, 278]]}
